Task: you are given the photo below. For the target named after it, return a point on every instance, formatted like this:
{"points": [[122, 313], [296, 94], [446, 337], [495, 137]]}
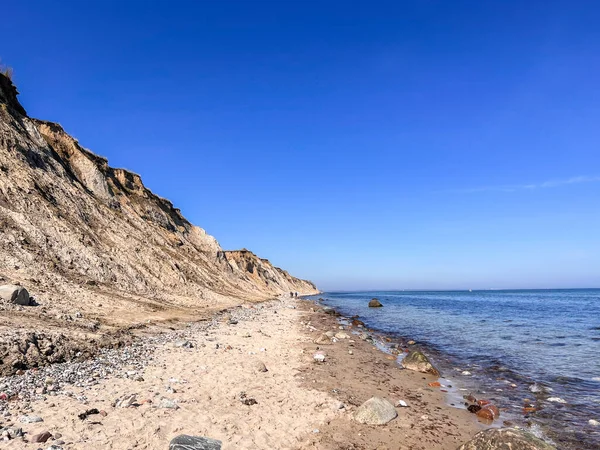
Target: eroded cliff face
{"points": [[74, 229]]}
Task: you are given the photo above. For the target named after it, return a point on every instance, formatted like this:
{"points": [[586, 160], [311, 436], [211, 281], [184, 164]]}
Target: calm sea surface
{"points": [[546, 342]]}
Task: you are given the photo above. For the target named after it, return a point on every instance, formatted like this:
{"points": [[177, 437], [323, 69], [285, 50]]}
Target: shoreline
{"points": [[514, 414], [202, 380], [427, 423]]}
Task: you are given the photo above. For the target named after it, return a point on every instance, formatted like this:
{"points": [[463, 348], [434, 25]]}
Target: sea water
{"points": [[540, 347]]}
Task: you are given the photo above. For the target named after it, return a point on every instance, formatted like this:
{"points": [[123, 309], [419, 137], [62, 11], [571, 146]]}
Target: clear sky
{"points": [[363, 145]]}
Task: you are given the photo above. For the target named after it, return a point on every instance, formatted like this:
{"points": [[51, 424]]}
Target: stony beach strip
{"points": [[280, 374]]}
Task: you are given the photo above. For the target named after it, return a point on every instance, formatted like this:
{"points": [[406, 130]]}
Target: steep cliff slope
{"points": [[78, 233]]}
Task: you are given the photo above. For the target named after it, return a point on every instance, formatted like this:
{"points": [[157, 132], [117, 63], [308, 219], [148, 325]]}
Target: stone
{"points": [[505, 438], [259, 366], [185, 442], [342, 335], [183, 344], [30, 419], [41, 437], [167, 403], [374, 303], [418, 362], [375, 411], [323, 340], [594, 423], [402, 403], [319, 357], [488, 412], [55, 447], [127, 401], [244, 399], [17, 295]]}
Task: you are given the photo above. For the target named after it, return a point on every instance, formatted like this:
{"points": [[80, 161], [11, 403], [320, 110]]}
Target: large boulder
{"points": [[505, 439], [374, 303], [12, 293], [375, 411], [185, 442], [418, 362]]}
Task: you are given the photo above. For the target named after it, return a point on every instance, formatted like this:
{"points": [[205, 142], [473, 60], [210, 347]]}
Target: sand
{"points": [[299, 403]]}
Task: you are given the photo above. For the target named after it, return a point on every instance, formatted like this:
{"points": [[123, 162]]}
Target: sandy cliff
{"points": [[83, 236]]}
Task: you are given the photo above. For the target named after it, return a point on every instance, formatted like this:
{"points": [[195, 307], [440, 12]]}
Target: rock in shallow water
{"points": [[185, 442], [503, 439], [418, 362], [374, 303], [375, 411]]}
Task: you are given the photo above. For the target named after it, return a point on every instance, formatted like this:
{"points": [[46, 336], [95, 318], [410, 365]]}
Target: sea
{"points": [[534, 348]]}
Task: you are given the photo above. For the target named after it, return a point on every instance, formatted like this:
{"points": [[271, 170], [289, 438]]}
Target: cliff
{"points": [[78, 233]]}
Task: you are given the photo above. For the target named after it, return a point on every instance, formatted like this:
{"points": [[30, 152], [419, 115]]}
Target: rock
{"points": [[375, 411], [87, 413], [259, 366], [183, 344], [357, 323], [418, 362], [30, 419], [505, 438], [55, 447], [488, 412], [17, 295], [402, 404], [248, 401], [41, 437], [185, 442], [342, 335], [473, 408], [556, 400], [12, 432], [126, 402], [594, 423], [323, 340], [319, 357], [167, 403], [374, 303], [329, 310]]}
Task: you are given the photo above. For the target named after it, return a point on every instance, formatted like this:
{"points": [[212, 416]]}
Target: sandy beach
{"points": [[208, 379]]}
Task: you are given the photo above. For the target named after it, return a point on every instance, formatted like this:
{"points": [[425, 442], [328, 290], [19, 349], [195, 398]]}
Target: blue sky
{"points": [[364, 145]]}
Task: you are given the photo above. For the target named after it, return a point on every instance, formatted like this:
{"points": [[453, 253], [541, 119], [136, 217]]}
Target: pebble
{"points": [[30, 419], [126, 401], [259, 366], [556, 400], [41, 437], [319, 357], [167, 403], [402, 403], [594, 423]]}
